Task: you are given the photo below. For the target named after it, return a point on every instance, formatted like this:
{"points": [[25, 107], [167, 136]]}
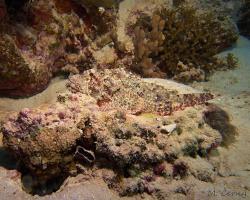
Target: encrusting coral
{"points": [[111, 118], [181, 43], [51, 37], [16, 72]]}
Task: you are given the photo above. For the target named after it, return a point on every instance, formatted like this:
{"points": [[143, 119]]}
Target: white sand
{"points": [[49, 95], [232, 82], [234, 88]]}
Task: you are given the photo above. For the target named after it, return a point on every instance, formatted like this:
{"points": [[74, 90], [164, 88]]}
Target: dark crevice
{"points": [[7, 160]]}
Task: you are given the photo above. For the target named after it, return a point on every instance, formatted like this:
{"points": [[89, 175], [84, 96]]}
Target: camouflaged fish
{"points": [[118, 89]]}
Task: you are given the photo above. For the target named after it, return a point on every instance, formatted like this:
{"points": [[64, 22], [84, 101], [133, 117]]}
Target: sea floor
{"points": [[232, 90]]}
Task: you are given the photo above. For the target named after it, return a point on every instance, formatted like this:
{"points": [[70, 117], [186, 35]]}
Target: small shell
{"points": [[84, 155]]}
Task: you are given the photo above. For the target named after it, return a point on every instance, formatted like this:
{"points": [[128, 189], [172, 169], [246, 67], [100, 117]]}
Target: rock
{"points": [[133, 186], [199, 168], [97, 120], [46, 145], [11, 187], [168, 128], [55, 39], [18, 75]]}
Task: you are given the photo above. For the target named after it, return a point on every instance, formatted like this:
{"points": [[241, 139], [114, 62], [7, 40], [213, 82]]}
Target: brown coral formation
{"points": [[146, 45], [112, 119], [45, 38], [17, 74], [187, 37]]}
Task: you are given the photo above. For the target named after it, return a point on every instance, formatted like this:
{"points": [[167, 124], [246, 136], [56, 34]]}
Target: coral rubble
{"points": [[181, 42], [111, 118]]}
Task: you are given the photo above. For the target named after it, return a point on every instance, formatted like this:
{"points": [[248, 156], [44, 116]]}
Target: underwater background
{"points": [[124, 99]]}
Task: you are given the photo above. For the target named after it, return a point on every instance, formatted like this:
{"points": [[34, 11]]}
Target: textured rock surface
{"points": [[17, 74], [41, 39], [110, 117]]}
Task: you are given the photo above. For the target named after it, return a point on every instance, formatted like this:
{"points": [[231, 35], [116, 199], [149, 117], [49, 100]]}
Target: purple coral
{"points": [[62, 115], [24, 112], [23, 124], [159, 169]]}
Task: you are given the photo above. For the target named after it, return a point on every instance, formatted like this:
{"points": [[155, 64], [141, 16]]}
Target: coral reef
{"points": [[46, 38], [184, 43], [112, 119], [17, 74], [54, 37]]}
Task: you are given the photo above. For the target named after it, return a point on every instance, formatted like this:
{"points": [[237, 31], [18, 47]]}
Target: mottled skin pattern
{"points": [[119, 89]]}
